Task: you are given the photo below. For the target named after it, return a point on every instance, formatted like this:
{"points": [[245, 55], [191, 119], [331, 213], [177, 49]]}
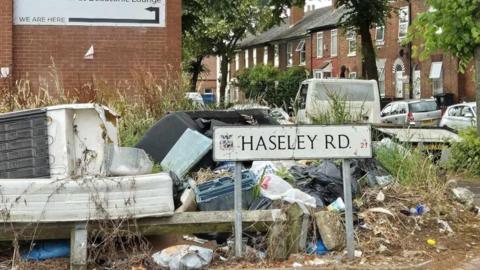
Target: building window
{"points": [[436, 75], [381, 76], [319, 44], [237, 61], [380, 35], [403, 23], [265, 55], [352, 75], [333, 43], [246, 58], [276, 58], [289, 54], [352, 43], [254, 56], [320, 74], [301, 50]]}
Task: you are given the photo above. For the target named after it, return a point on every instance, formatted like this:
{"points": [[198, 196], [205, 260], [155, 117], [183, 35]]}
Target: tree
{"points": [[452, 26], [361, 16], [223, 23]]}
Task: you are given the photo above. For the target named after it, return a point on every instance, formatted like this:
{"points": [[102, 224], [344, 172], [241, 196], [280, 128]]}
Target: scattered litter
{"points": [[463, 195], [316, 262], [253, 253], [358, 253], [195, 239], [275, 188], [190, 148], [337, 206], [418, 210], [47, 250], [184, 257], [432, 242], [188, 201], [382, 248], [444, 227], [381, 210], [297, 265], [331, 229], [317, 248], [261, 168], [380, 197]]}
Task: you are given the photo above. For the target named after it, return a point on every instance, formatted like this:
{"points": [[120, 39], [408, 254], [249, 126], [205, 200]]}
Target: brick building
{"points": [[88, 41], [313, 40]]}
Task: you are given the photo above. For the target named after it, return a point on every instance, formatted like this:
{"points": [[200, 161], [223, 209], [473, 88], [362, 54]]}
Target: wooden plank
{"points": [[180, 223]]}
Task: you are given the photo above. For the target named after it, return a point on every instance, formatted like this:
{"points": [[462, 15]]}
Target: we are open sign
{"points": [[291, 142]]}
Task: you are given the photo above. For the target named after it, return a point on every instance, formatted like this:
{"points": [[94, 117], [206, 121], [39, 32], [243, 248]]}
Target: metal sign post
{"points": [[238, 209], [347, 195], [246, 143]]}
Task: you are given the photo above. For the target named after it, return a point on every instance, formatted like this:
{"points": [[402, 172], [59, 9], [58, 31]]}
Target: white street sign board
{"points": [[136, 13], [291, 142]]}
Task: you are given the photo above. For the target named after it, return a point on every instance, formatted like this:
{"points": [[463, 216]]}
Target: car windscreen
{"points": [[350, 92], [423, 106]]}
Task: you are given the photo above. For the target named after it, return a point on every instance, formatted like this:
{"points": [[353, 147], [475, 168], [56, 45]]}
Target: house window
{"points": [[436, 75], [265, 55], [254, 56], [319, 44], [381, 75], [403, 23], [380, 35], [333, 43], [352, 75], [289, 54], [237, 61], [320, 74], [246, 58], [352, 42], [301, 50], [276, 59]]}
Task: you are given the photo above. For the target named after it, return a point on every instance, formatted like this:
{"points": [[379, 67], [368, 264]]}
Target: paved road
{"points": [[474, 187]]}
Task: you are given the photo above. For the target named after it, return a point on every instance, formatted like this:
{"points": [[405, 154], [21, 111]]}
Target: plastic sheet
{"points": [[127, 161]]}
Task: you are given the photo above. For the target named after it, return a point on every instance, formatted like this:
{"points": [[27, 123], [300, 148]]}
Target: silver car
{"points": [[423, 112], [460, 116]]}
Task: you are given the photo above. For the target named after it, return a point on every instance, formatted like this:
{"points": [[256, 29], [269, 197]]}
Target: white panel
{"points": [[47, 200], [139, 13]]}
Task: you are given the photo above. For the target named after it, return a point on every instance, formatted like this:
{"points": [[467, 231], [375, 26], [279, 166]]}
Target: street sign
{"points": [[247, 143], [133, 13], [291, 142]]}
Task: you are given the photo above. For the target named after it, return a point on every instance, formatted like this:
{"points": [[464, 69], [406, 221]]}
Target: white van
{"points": [[362, 99]]}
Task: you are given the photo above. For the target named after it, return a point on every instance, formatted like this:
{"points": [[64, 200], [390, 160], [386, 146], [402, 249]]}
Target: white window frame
{"points": [[381, 41], [319, 44], [437, 83], [302, 52], [237, 61], [352, 42], [403, 23], [352, 75], [320, 74], [254, 56], [289, 53], [265, 55], [247, 58], [333, 43], [276, 58]]}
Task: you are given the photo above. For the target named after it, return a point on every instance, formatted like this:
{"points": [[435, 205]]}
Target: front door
{"points": [[399, 84]]}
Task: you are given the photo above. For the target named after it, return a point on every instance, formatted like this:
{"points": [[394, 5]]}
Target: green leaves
{"points": [[460, 29]]}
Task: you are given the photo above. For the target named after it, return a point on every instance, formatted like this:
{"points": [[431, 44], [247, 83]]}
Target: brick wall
{"points": [[119, 51], [6, 15]]}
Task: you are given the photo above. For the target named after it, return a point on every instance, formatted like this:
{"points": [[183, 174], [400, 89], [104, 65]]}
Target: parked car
{"points": [[423, 112], [362, 99], [460, 116]]}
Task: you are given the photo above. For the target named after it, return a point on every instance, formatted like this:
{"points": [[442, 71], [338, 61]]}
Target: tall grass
{"points": [[140, 102], [410, 166], [338, 111]]}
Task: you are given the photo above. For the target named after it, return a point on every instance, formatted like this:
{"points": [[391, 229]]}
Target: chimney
{"points": [[296, 14]]}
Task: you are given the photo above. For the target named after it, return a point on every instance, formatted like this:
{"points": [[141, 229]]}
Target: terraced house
{"points": [[313, 40]]}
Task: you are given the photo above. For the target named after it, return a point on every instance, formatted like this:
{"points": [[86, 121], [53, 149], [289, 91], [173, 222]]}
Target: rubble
{"points": [[331, 228]]}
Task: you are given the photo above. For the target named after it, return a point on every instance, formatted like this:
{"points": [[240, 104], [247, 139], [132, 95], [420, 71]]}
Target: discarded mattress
{"points": [[86, 199]]}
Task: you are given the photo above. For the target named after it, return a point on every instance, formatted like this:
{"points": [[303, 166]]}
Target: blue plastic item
{"points": [[208, 98], [317, 248], [218, 194], [48, 250]]}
